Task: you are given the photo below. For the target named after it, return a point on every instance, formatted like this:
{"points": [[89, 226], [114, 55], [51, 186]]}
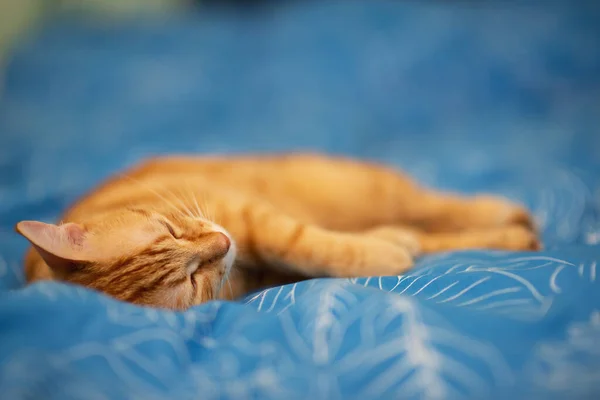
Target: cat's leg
{"points": [[267, 237], [403, 236], [442, 212], [512, 237], [403, 202]]}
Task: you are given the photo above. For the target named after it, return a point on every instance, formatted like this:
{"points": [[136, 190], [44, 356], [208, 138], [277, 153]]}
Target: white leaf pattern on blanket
{"points": [[398, 346], [499, 286]]}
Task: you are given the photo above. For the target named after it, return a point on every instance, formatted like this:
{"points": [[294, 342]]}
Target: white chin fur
{"points": [[229, 258]]}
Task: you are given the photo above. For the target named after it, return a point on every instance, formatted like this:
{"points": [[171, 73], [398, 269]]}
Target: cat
{"points": [[178, 231]]}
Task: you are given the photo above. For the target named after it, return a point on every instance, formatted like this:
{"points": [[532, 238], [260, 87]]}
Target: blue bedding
{"points": [[496, 98]]}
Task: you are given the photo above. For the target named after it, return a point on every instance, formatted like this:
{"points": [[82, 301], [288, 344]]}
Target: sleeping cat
{"points": [[175, 232]]}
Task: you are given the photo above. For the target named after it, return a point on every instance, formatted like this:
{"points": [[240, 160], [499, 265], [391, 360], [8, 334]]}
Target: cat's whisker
{"points": [[202, 208], [185, 207], [230, 289], [177, 197], [197, 207], [205, 210], [181, 209], [147, 187], [224, 280], [209, 212]]}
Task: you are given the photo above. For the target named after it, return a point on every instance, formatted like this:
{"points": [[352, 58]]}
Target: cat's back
{"points": [[153, 179], [292, 182]]}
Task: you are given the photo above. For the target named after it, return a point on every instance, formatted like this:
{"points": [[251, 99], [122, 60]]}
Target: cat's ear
{"points": [[62, 247]]}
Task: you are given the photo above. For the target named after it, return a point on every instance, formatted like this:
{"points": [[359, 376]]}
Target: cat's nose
{"points": [[220, 243], [224, 241]]}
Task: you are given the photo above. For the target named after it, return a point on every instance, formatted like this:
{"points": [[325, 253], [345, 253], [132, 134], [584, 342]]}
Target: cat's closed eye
{"points": [[171, 229]]}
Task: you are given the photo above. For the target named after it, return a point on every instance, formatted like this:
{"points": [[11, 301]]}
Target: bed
{"points": [[502, 99]]}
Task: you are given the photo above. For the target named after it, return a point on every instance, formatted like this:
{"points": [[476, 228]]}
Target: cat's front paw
{"points": [[380, 257], [398, 236]]}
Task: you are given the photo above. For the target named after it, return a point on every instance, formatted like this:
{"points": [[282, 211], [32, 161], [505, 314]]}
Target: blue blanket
{"points": [[496, 98]]}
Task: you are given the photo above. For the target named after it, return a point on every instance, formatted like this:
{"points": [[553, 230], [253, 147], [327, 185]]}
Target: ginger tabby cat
{"points": [[179, 231]]}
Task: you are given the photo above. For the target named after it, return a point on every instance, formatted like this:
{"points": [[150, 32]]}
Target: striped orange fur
{"points": [[178, 231]]}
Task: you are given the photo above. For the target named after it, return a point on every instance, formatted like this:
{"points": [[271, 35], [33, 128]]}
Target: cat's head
{"points": [[140, 256]]}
